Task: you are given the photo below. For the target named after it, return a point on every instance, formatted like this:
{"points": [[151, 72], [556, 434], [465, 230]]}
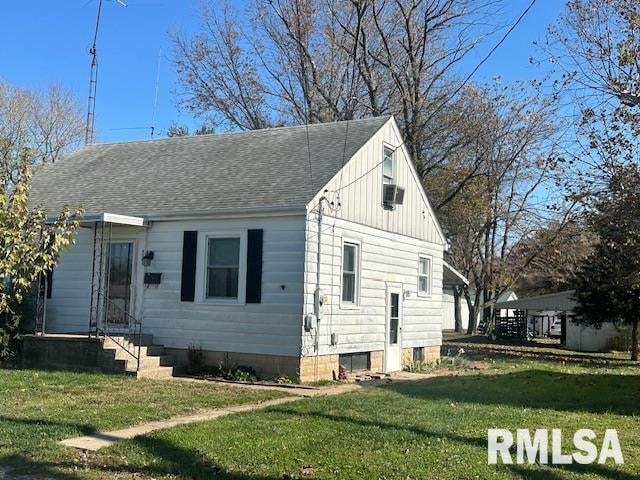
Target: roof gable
{"points": [[358, 188], [271, 168]]}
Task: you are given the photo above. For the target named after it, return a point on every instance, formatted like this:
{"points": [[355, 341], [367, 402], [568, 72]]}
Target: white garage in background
{"points": [[574, 336]]}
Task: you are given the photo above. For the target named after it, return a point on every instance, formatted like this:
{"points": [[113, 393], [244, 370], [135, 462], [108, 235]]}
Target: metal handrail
{"points": [[134, 328]]}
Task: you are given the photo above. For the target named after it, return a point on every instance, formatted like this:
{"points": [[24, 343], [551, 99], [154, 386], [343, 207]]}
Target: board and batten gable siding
{"points": [[391, 243], [360, 186], [269, 327]]}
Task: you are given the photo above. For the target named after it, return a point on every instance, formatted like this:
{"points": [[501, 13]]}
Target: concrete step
{"points": [[150, 351], [155, 373], [143, 340], [154, 363], [149, 363]]}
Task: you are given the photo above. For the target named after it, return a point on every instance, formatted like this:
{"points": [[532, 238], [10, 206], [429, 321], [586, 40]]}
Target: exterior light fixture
{"points": [[148, 256]]}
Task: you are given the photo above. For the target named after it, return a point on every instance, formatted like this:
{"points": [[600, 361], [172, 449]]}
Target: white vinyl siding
{"points": [[70, 302], [271, 327], [385, 258]]}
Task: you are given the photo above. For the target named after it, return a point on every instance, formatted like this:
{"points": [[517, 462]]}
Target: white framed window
{"points": [[350, 272], [388, 165], [424, 274], [224, 262]]}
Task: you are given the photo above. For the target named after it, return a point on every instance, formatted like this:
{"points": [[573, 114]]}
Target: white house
{"points": [[212, 241]]}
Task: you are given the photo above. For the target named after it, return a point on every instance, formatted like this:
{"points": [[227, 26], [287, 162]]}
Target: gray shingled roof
{"points": [[256, 169]]}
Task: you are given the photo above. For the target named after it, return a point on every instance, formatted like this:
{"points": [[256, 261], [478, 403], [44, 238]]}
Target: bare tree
{"points": [[596, 47], [47, 123], [513, 174], [308, 61]]}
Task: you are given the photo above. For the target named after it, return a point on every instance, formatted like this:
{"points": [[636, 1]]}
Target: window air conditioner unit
{"points": [[392, 195]]}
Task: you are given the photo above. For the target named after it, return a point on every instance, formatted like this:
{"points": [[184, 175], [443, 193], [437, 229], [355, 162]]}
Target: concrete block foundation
{"points": [[68, 352]]}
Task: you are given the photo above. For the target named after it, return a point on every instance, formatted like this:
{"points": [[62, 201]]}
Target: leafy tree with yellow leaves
{"points": [[30, 245]]}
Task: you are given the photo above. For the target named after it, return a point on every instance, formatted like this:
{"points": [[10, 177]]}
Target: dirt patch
{"points": [[476, 365], [556, 354]]}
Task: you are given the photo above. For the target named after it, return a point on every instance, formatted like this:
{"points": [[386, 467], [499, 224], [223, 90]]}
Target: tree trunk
{"points": [[487, 313], [457, 309], [473, 317], [634, 341]]}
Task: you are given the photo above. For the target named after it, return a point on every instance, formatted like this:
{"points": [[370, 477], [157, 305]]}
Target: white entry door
{"points": [[393, 343]]}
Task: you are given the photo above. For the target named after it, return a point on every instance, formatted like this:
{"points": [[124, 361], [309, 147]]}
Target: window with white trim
{"points": [[424, 274], [223, 267], [388, 166], [350, 261]]}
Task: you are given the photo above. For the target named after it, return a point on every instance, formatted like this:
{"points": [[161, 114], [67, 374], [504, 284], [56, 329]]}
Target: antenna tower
{"points": [[93, 79]]}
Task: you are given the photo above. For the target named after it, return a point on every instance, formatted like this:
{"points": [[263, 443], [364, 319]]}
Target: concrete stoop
{"points": [[153, 363]]}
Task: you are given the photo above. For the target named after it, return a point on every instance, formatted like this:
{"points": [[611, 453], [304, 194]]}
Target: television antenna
{"points": [[93, 79]]}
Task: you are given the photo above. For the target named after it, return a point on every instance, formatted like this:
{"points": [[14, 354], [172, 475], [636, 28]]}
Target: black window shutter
{"points": [[254, 266], [189, 252], [49, 282]]}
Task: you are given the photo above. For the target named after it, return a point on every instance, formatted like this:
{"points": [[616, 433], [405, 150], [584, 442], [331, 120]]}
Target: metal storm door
{"points": [[119, 286]]}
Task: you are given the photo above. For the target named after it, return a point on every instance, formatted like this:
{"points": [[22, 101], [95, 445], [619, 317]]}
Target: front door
{"points": [[119, 287], [393, 348]]}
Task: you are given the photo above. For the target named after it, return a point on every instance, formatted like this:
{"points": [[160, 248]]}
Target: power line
{"points": [[486, 57], [455, 92]]}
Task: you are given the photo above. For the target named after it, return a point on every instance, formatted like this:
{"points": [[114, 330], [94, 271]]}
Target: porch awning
{"points": [[451, 277], [105, 217]]}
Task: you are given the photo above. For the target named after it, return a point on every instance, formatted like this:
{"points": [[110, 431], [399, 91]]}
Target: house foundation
{"points": [[266, 366], [428, 354], [68, 352], [81, 352], [304, 369]]}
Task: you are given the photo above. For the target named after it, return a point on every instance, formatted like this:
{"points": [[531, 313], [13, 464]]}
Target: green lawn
{"points": [[38, 408], [433, 429]]}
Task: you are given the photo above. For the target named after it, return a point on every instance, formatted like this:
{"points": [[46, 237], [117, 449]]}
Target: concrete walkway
{"points": [[100, 440]]}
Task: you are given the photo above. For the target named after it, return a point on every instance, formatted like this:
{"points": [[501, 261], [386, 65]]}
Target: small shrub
{"points": [[243, 374], [284, 380], [418, 366], [449, 361], [195, 360]]}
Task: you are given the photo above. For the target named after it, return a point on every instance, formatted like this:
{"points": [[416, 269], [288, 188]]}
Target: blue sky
{"points": [[48, 40]]}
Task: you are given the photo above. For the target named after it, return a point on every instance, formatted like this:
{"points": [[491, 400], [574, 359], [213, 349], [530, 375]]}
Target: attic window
{"points": [[388, 166]]}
